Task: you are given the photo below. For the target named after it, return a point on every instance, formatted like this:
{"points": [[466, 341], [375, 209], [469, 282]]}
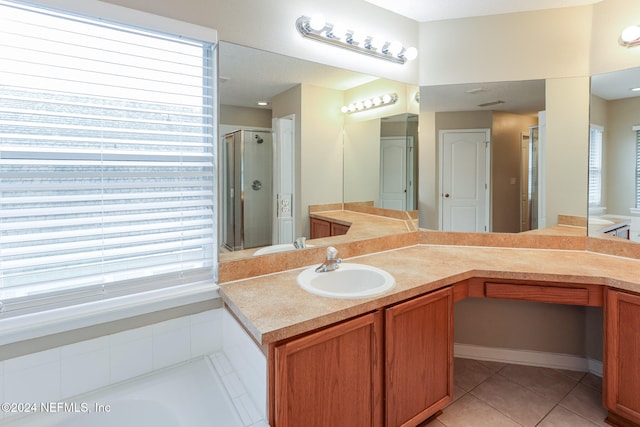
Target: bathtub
{"points": [[188, 395]]}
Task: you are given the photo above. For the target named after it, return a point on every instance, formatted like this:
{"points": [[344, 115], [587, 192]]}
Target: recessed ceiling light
{"points": [[262, 103], [635, 89], [476, 90], [491, 104]]}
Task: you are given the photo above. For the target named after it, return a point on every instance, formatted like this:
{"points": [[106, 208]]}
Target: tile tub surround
{"points": [[273, 307], [63, 372]]}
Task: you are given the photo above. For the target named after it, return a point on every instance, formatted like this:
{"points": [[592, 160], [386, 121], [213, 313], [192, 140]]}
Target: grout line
{"points": [[557, 402]]}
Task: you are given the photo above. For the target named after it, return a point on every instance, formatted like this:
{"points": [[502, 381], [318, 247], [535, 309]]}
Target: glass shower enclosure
{"points": [[247, 182]]}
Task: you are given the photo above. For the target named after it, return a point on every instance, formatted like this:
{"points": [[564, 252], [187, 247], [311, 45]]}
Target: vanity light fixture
{"points": [[369, 103], [630, 36], [317, 28]]}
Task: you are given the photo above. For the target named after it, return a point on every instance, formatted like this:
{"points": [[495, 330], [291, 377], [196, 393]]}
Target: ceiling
{"points": [[520, 97], [616, 85], [435, 10], [249, 75]]}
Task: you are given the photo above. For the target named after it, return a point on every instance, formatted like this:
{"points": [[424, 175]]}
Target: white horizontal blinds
{"points": [[106, 158], [595, 166]]}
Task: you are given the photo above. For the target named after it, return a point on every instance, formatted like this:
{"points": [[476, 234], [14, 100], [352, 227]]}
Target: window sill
{"points": [[35, 325]]}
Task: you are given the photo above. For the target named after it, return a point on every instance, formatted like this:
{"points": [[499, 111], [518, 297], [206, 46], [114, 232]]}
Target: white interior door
{"points": [[393, 173], [283, 180], [464, 178]]}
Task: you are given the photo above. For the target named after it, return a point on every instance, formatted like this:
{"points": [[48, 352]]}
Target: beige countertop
{"points": [[273, 307], [364, 225]]}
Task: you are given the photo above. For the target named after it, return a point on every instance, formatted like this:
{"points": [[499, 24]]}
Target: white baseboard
{"points": [[528, 357]]}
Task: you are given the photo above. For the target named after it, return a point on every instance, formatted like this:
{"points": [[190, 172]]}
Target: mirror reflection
{"points": [[381, 162], [614, 184], [281, 153], [466, 116]]}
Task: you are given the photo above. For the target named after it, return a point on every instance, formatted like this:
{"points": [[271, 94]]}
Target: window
{"points": [[595, 166], [107, 159]]}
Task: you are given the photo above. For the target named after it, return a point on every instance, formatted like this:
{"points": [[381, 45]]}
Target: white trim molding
{"points": [[567, 362]]}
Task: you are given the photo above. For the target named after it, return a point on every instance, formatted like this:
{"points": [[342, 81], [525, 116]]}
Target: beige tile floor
{"points": [[498, 394]]}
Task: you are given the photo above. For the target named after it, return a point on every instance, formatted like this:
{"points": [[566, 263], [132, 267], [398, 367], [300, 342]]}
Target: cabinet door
{"points": [[332, 377], [338, 229], [419, 358], [320, 228], [622, 357]]}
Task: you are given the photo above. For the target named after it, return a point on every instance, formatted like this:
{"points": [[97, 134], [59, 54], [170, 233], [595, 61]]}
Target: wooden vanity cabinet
{"points": [[321, 228], [621, 385], [332, 377], [419, 358], [390, 368]]}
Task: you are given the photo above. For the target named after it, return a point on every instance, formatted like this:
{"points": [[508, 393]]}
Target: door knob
{"points": [[446, 195]]}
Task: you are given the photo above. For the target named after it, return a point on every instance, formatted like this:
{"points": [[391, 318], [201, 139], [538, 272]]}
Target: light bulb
{"points": [[394, 48], [357, 37], [352, 107], [377, 101], [630, 34], [317, 22], [386, 98], [411, 53], [368, 103], [377, 43], [359, 105], [344, 109], [338, 32]]}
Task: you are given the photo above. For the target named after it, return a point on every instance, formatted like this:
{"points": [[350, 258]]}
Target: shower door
{"points": [[258, 188], [248, 189]]}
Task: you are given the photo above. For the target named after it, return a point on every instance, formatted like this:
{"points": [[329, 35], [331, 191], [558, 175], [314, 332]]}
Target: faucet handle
{"points": [[299, 243], [332, 252]]}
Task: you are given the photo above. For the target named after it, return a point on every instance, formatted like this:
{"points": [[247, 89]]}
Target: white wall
{"points": [[362, 161], [610, 17], [321, 177], [567, 143], [270, 25], [517, 46]]}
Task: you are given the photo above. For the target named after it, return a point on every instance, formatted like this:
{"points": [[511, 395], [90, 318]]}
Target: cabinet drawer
{"points": [[552, 294]]}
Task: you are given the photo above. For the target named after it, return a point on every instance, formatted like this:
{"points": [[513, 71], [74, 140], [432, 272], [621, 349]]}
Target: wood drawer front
{"points": [[538, 293]]}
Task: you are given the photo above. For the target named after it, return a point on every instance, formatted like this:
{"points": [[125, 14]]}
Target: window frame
{"points": [[600, 171], [57, 320]]}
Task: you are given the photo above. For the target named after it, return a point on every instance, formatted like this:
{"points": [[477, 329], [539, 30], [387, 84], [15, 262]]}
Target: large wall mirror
{"points": [[509, 114], [335, 164], [261, 93], [614, 184]]}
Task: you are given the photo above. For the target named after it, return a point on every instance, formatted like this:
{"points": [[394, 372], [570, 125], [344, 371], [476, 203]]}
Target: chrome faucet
{"points": [[299, 243], [331, 263]]}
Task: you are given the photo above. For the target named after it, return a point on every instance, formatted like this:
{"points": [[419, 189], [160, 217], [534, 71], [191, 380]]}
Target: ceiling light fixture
{"points": [[370, 103], [317, 28], [630, 36]]}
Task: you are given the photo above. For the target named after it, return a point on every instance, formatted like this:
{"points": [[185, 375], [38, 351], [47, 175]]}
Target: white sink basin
{"points": [[273, 249], [350, 280], [600, 221]]}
